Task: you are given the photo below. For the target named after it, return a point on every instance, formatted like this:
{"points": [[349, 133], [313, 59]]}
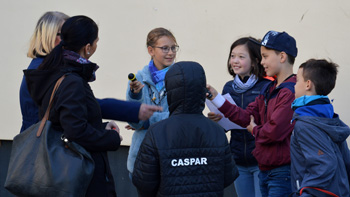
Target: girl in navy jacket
{"points": [[244, 65]]}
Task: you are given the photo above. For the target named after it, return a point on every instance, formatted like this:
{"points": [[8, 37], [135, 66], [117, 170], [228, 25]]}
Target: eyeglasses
{"points": [[166, 49]]}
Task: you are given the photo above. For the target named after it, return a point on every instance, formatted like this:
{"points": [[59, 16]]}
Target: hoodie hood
{"points": [[41, 81], [185, 84], [315, 105], [318, 111], [336, 129]]}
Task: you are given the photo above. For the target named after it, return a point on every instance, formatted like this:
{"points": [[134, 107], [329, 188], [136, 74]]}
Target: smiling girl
{"points": [[149, 87], [248, 79]]}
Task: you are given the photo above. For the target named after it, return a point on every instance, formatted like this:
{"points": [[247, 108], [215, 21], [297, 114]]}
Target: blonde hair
{"points": [[43, 40], [157, 33]]}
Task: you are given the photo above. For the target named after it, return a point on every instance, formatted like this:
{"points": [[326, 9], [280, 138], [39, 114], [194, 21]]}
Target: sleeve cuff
{"points": [[135, 96], [218, 101]]}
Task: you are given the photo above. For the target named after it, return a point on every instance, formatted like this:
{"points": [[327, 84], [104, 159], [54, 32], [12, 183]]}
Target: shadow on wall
{"points": [[117, 160]]}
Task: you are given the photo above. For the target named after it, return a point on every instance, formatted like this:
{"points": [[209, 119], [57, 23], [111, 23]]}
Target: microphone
{"points": [[209, 94], [132, 78]]}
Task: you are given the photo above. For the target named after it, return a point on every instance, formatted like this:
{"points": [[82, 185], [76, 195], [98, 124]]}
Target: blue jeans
{"points": [[247, 183], [275, 182]]}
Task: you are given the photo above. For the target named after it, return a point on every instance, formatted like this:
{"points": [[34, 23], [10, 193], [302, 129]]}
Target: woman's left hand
{"points": [[113, 126]]}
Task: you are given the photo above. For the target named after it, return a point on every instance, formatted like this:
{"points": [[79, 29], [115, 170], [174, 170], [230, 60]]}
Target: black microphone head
{"points": [[132, 77]]}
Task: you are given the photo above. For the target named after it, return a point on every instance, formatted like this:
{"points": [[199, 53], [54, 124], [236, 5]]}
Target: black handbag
{"points": [[44, 163]]}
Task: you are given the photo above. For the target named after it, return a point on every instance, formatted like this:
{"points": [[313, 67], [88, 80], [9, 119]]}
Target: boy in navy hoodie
{"points": [[319, 152]]}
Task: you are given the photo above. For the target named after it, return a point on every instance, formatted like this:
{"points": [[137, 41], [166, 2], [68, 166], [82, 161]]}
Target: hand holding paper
{"points": [[214, 117], [224, 122], [212, 92]]}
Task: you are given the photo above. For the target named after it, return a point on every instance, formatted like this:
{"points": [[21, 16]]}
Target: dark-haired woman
{"points": [[75, 110]]}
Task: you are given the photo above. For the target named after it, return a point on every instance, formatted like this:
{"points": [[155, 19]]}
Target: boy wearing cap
{"points": [[319, 152], [268, 117]]}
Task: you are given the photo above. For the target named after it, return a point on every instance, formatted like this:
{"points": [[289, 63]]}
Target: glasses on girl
{"points": [[166, 49]]}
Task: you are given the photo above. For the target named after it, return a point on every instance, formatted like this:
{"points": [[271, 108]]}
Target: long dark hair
{"points": [[76, 32], [253, 46]]}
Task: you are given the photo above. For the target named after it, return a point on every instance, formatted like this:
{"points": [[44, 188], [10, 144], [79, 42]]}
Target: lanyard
{"points": [[153, 95]]}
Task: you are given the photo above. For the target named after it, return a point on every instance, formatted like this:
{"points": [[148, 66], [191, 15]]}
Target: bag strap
{"points": [[46, 116], [318, 189]]}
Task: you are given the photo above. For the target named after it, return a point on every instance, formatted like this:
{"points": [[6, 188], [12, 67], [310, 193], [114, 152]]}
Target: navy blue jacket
{"points": [[186, 154], [242, 142], [112, 109], [319, 154]]}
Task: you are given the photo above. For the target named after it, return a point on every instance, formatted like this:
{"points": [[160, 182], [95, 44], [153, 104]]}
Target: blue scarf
{"points": [[157, 75]]}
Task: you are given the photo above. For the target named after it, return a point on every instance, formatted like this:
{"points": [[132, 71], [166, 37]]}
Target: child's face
{"points": [[301, 85], [271, 61], [160, 58], [240, 61]]}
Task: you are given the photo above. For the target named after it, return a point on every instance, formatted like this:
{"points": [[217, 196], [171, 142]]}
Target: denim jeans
{"points": [[275, 182], [247, 183]]}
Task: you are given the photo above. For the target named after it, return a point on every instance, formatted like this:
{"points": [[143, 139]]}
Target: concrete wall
{"points": [[204, 29]]}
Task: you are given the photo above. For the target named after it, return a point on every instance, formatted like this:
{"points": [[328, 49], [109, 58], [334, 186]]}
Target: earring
{"points": [[88, 53]]}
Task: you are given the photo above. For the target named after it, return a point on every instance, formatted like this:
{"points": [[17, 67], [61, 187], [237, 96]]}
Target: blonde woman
{"points": [[46, 36]]}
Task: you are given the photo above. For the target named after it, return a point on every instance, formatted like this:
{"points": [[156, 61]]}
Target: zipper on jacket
{"points": [[297, 183], [265, 116], [245, 148], [244, 134]]}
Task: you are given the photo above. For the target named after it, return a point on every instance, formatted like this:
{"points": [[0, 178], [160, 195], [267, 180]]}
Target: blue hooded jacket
{"points": [[151, 96], [319, 152]]}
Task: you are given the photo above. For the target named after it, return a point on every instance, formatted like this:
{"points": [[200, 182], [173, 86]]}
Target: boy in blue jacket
{"points": [[320, 158]]}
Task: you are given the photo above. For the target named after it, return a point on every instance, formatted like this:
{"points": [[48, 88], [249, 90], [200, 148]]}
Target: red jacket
{"points": [[273, 114]]}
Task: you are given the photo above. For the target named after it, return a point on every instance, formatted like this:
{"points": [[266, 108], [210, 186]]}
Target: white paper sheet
{"points": [[224, 122]]}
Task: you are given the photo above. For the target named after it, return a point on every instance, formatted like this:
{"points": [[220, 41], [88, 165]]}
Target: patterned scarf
{"points": [[240, 87], [157, 75], [71, 55]]}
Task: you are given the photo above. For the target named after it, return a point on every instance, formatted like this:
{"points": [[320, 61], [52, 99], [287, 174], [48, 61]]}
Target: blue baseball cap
{"points": [[280, 41]]}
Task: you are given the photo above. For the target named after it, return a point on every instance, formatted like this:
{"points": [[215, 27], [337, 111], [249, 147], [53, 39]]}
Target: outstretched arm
{"points": [[114, 109], [127, 111]]}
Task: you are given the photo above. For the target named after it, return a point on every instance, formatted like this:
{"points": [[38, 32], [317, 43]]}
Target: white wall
{"points": [[204, 29]]}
